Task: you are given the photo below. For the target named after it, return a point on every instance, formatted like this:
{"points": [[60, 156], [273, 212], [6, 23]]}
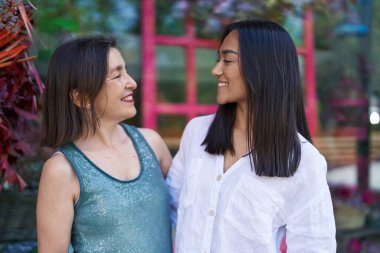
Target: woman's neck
{"points": [[240, 122], [105, 136]]}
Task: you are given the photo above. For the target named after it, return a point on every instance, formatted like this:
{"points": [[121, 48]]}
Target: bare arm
{"points": [[159, 148], [58, 189]]}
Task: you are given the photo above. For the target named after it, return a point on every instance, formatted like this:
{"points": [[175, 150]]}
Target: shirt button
{"points": [[211, 212], [218, 178]]}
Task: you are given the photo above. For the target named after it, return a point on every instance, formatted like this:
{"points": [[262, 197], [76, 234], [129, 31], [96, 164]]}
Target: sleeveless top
{"points": [[112, 215]]}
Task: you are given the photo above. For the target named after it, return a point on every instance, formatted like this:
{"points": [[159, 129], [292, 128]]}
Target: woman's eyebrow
{"points": [[117, 68], [229, 51]]}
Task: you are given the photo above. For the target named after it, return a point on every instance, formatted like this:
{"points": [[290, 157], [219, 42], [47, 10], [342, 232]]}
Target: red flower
{"points": [[344, 193]]}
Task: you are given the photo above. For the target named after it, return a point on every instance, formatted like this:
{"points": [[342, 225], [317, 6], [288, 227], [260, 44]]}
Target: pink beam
{"points": [[301, 51], [349, 102], [311, 96], [191, 72], [148, 62], [185, 41], [185, 109]]}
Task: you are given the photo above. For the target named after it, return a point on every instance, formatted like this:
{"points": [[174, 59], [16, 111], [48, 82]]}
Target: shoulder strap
{"points": [[75, 158], [139, 142]]}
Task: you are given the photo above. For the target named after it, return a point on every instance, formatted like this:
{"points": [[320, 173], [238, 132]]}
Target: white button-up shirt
{"points": [[238, 211]]}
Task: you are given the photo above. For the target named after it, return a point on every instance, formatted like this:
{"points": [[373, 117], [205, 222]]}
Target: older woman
{"points": [[104, 189]]}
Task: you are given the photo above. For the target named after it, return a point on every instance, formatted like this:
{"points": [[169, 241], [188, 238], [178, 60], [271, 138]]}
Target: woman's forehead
{"points": [[230, 43], [115, 60]]}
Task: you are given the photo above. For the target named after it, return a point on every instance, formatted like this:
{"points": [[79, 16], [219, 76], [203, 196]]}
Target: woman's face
{"points": [[231, 87], [115, 100]]}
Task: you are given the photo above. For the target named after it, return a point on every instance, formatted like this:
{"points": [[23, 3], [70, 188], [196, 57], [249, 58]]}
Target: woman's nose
{"points": [[131, 83], [217, 70]]}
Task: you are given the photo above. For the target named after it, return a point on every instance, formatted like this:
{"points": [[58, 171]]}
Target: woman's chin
{"points": [[221, 101], [131, 113]]}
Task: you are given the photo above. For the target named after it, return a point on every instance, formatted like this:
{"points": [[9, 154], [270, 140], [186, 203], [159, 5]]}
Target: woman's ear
{"points": [[76, 98]]}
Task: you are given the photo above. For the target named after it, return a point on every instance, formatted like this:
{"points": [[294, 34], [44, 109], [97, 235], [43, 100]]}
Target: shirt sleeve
{"points": [[176, 174], [310, 224]]}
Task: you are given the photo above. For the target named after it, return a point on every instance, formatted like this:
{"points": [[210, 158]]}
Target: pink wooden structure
{"points": [[151, 108]]}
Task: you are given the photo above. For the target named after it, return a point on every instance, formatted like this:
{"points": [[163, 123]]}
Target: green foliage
{"points": [[169, 19], [56, 16], [60, 24]]}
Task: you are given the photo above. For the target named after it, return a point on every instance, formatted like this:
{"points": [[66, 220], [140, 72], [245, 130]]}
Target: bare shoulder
{"points": [[159, 148], [152, 137], [58, 190], [58, 170]]}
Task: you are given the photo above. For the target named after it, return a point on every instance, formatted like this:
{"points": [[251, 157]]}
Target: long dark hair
{"points": [[80, 64], [275, 109]]}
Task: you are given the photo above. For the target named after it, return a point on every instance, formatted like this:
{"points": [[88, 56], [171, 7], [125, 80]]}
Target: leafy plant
{"points": [[19, 87]]}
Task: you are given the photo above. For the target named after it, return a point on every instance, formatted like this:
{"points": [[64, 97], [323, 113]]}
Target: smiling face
{"points": [[231, 86], [115, 100]]}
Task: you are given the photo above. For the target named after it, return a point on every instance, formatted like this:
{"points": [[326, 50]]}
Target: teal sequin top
{"points": [[120, 216]]}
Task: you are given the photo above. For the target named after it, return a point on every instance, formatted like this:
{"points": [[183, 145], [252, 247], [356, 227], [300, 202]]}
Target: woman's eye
{"points": [[118, 76], [225, 61]]}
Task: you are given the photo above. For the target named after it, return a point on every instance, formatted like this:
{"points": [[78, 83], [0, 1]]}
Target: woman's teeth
{"points": [[127, 98]]}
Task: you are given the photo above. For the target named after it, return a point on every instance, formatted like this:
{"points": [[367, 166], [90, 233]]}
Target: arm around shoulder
{"points": [[58, 189]]}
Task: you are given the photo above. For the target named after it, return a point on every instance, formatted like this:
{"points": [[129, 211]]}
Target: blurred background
{"points": [[170, 48]]}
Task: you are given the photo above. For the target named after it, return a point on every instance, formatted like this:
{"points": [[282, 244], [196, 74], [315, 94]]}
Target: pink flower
{"points": [[368, 197], [354, 246]]}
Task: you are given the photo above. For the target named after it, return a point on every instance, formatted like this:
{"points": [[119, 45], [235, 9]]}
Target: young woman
{"points": [[103, 189], [248, 175]]}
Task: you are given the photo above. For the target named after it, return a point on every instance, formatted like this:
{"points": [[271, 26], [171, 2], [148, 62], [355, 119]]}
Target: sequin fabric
{"points": [[120, 216]]}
